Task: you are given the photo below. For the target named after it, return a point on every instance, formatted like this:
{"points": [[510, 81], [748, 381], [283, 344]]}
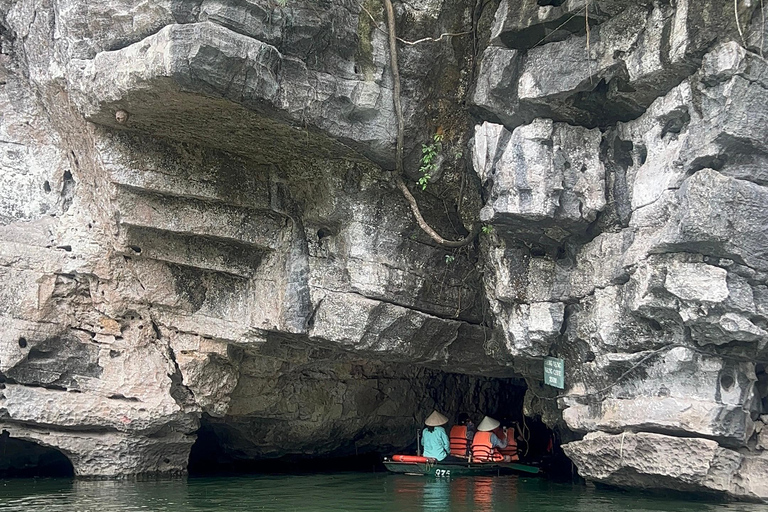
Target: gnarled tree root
{"points": [[400, 129]]}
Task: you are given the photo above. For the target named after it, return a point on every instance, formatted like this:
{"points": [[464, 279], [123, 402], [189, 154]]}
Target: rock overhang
{"points": [[206, 84], [634, 53]]}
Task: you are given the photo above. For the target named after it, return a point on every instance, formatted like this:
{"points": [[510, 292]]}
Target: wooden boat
{"points": [[449, 469]]}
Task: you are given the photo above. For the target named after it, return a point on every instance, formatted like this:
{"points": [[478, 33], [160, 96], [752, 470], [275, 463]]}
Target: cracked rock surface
{"points": [[630, 240], [199, 234]]}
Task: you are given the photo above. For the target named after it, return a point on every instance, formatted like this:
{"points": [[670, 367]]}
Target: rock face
{"points": [[195, 229], [200, 234], [655, 461], [635, 252]]}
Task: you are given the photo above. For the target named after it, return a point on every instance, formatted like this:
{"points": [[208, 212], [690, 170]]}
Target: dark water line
{"points": [[336, 492]]}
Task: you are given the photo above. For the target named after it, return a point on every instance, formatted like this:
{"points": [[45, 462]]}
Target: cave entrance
{"points": [[351, 421], [27, 459]]}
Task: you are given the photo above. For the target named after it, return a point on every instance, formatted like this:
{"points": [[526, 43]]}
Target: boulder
{"points": [[658, 462], [544, 179]]}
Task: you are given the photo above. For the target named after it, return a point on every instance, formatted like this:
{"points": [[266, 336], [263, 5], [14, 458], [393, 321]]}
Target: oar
{"points": [[418, 444]]}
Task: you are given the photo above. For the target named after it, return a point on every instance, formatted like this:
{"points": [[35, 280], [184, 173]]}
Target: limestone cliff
{"points": [[198, 225]]}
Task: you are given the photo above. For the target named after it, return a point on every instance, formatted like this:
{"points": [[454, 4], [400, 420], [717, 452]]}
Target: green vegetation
{"points": [[487, 229], [449, 258], [398, 174], [429, 154]]}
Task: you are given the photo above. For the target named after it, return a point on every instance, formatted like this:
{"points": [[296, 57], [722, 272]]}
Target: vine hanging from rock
{"points": [[392, 36]]}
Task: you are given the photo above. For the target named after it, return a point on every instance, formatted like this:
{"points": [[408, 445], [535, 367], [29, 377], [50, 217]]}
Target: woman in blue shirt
{"points": [[434, 439]]}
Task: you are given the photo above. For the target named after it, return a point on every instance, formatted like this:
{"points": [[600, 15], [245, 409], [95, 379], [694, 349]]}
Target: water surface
{"points": [[337, 492]]}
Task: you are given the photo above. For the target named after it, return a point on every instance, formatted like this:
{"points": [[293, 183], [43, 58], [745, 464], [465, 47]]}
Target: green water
{"points": [[337, 492]]}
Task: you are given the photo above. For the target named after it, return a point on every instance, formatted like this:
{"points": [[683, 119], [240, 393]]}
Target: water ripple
{"points": [[337, 492]]}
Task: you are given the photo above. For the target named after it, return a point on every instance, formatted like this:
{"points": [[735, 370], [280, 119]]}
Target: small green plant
{"points": [[449, 258], [487, 229], [429, 154]]}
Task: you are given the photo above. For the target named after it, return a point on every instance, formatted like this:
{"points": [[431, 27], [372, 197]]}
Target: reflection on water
{"points": [[336, 492]]}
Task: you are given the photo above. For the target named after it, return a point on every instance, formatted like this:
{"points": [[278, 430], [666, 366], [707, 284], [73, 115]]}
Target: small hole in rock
{"points": [[642, 153], [47, 187], [136, 249], [727, 382], [23, 342], [357, 69], [656, 326]]}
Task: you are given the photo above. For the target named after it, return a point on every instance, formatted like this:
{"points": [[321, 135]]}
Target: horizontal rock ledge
{"points": [[206, 84]]}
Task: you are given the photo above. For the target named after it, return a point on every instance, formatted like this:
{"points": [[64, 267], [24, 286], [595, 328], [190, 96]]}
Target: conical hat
{"points": [[488, 424], [435, 419]]}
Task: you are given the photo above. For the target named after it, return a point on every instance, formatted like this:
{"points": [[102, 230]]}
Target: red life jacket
{"points": [[483, 450], [459, 443]]}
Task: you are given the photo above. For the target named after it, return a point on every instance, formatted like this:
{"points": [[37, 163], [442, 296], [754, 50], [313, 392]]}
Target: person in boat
{"points": [[512, 435], [433, 437], [489, 441], [461, 436]]}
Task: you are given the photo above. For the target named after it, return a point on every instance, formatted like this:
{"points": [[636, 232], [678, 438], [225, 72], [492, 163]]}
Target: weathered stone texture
{"points": [[654, 462], [653, 256], [197, 228], [218, 241]]}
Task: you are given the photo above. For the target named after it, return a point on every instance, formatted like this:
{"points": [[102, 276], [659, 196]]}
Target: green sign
{"points": [[554, 372]]}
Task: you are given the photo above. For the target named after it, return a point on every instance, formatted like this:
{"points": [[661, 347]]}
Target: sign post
{"points": [[554, 372]]}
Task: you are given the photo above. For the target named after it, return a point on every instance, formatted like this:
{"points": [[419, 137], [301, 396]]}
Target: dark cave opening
{"points": [[211, 455], [27, 459], [222, 447]]}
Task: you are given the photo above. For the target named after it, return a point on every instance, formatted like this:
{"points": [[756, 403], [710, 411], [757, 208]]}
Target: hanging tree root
{"points": [[399, 154]]}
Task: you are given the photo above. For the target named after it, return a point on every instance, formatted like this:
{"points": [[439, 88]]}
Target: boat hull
{"points": [[447, 470]]}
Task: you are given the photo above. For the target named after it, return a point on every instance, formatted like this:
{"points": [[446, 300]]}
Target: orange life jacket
{"points": [[511, 448], [483, 450], [459, 443]]}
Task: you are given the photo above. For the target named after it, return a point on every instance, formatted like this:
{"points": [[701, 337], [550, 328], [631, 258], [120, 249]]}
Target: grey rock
{"points": [[662, 304], [682, 392], [532, 23], [495, 94], [544, 179], [186, 77], [655, 462], [722, 221], [196, 235], [635, 53]]}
